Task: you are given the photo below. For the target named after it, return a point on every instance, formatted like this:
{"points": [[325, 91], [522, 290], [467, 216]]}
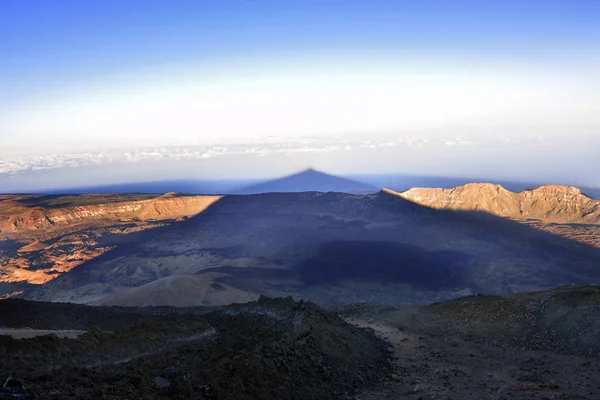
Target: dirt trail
{"points": [[268, 349], [437, 367], [28, 333]]}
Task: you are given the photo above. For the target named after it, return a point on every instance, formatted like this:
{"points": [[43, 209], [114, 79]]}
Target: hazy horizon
{"points": [[113, 92]]}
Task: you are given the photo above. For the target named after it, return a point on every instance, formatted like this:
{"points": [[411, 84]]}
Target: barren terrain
{"points": [[539, 345], [330, 248], [270, 349], [46, 236], [533, 345]]}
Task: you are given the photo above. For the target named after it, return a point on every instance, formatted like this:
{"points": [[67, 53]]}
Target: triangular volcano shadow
{"points": [[231, 210], [309, 180]]}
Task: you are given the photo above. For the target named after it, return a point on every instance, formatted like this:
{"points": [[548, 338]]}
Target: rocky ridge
{"points": [[269, 349], [54, 234], [17, 216], [552, 203]]}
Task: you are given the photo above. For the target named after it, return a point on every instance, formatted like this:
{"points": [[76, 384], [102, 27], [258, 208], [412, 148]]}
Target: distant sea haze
{"points": [[303, 181]]}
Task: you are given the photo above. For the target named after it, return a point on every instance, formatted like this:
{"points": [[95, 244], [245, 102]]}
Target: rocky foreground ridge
{"points": [[551, 203], [542, 345], [268, 349], [532, 345]]}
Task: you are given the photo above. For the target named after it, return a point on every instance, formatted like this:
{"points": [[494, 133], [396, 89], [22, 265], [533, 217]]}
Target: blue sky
{"points": [[84, 77], [51, 43]]}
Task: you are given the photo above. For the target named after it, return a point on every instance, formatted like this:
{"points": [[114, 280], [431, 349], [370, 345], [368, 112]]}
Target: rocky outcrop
{"points": [[61, 232], [553, 203], [17, 216], [34, 246], [268, 349]]}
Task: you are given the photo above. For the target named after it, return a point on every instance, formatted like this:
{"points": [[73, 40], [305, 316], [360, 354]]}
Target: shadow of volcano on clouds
{"points": [[309, 180]]}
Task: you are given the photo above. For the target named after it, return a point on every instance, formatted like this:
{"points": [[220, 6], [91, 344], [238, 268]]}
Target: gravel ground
{"points": [[270, 349]]}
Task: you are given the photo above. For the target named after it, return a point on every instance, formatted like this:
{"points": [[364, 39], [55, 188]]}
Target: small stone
{"points": [[554, 385], [12, 383], [135, 380], [161, 383], [418, 388]]}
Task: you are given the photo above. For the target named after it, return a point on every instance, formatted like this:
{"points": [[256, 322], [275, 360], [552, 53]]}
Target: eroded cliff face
{"points": [[17, 217], [551, 203], [560, 204], [57, 234]]}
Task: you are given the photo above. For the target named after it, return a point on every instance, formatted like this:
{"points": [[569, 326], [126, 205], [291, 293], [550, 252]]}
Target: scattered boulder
{"points": [[161, 383], [13, 388]]}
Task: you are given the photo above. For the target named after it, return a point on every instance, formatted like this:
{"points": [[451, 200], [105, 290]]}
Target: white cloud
{"points": [[257, 147], [190, 152]]}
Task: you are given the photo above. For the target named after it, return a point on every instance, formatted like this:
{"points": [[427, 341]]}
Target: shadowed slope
{"points": [[187, 291], [385, 249]]}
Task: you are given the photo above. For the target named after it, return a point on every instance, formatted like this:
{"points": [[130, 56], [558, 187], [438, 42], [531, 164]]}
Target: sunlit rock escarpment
{"points": [[552, 203], [42, 237]]}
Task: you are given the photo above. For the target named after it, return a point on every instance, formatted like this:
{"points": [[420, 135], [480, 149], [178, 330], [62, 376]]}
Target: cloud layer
{"points": [[264, 147], [269, 146]]}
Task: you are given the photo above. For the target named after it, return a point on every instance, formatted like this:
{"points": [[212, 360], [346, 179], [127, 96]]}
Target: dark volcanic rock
{"points": [[269, 349]]}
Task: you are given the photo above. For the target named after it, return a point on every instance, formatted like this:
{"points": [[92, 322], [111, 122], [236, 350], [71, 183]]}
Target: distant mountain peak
{"points": [[555, 190]]}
